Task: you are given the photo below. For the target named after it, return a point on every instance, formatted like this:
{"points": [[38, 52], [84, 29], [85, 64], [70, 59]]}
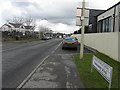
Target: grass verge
{"points": [[94, 79]]}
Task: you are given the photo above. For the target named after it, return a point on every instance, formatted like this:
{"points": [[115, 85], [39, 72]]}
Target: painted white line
{"points": [[30, 75], [56, 47]]}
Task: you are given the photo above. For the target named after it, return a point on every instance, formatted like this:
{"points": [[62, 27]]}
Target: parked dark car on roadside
{"points": [[70, 42]]}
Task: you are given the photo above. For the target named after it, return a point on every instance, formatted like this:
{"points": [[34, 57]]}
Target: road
{"points": [[20, 59]]}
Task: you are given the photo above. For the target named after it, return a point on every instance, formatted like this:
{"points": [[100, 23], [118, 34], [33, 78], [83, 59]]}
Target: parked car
{"points": [[70, 42], [44, 38]]}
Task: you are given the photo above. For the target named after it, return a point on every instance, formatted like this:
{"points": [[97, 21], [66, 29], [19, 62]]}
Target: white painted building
{"points": [[12, 26], [107, 38], [17, 27], [109, 20]]}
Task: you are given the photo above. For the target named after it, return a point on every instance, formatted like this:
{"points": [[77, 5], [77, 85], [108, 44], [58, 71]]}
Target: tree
{"points": [[17, 20], [29, 21]]}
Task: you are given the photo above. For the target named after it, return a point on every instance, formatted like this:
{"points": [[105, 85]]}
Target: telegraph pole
{"points": [[83, 29], [39, 34]]}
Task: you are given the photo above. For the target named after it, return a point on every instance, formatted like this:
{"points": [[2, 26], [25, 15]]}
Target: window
{"points": [[99, 28], [119, 22], [110, 24], [105, 25]]}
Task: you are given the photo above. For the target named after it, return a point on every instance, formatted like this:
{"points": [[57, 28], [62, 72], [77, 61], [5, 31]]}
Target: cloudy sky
{"points": [[60, 15]]}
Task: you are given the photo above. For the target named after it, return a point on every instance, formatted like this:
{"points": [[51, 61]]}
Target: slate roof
{"points": [[28, 27], [8, 25], [16, 25]]}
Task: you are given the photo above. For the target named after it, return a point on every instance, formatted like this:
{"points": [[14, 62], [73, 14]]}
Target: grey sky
{"points": [[55, 11]]}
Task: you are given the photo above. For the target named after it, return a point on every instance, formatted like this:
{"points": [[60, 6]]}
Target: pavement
{"points": [[57, 71], [55, 67]]}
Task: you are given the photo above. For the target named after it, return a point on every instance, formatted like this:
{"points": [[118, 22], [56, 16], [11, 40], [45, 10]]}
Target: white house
{"points": [[12, 26], [17, 27]]}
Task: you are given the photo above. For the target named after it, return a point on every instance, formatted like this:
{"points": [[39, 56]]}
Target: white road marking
{"points": [[56, 47], [30, 75]]}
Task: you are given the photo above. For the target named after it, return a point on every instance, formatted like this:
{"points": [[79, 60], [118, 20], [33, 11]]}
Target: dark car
{"points": [[70, 42]]}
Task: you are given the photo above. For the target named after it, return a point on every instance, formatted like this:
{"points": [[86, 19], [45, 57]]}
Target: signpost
{"points": [[104, 69], [82, 20]]}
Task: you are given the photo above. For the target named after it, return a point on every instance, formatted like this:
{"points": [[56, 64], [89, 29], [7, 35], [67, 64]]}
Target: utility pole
{"points": [[39, 33], [83, 27]]}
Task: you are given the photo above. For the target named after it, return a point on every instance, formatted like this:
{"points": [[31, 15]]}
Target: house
{"points": [[17, 27], [13, 26], [109, 20], [29, 28]]}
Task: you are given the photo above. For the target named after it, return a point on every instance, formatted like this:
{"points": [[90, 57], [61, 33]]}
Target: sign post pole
{"points": [[82, 32]]}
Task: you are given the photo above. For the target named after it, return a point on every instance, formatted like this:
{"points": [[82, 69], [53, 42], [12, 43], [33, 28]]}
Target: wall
{"points": [[111, 12], [106, 14], [106, 43], [119, 46]]}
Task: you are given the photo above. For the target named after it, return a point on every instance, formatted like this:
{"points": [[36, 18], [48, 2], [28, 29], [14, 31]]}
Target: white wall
{"points": [[5, 28], [119, 46], [106, 14], [110, 13], [106, 43]]}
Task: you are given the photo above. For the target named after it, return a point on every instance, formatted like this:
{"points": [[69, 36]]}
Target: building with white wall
{"points": [[107, 38], [109, 20], [12, 26]]}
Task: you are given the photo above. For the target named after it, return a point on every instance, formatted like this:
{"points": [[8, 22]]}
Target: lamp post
{"points": [[41, 27], [82, 32], [39, 33]]}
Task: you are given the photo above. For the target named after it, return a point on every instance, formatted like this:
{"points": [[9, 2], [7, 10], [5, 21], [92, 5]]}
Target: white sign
{"points": [[104, 69], [78, 21], [79, 17], [79, 12]]}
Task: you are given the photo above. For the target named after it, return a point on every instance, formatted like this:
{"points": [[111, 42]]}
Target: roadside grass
{"points": [[94, 79]]}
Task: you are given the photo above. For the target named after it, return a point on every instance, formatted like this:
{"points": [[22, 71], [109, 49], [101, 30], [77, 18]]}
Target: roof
{"points": [[16, 25], [28, 27], [7, 25], [109, 8]]}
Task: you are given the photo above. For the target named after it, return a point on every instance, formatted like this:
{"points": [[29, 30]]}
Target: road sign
{"points": [[79, 17], [104, 69], [78, 21], [79, 12]]}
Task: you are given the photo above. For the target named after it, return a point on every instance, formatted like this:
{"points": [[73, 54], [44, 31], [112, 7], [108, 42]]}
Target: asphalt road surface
{"points": [[19, 59]]}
